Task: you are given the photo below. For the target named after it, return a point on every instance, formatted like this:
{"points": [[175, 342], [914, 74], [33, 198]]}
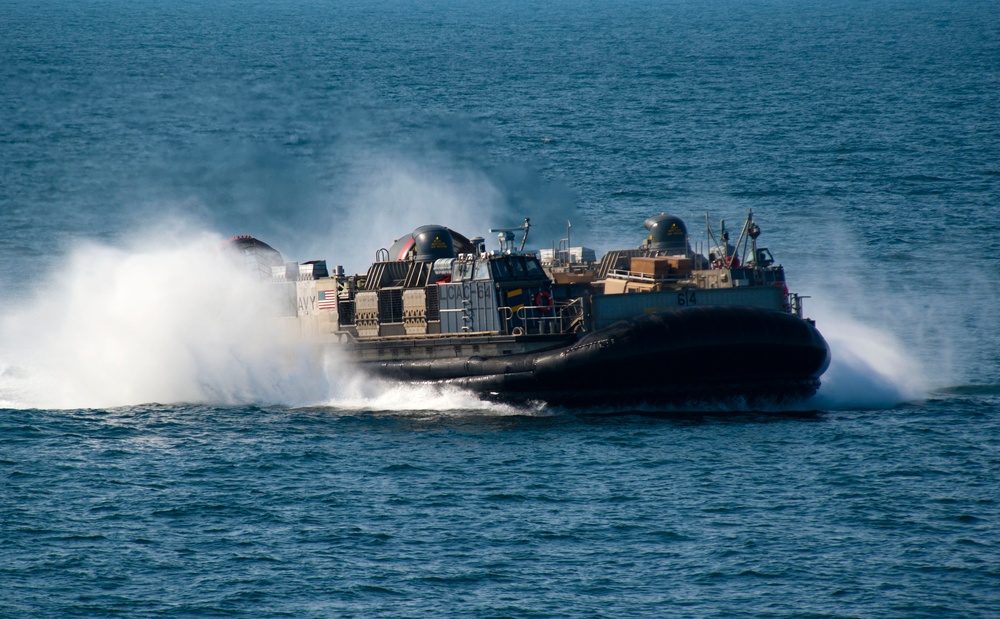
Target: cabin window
{"points": [[517, 265], [462, 270], [482, 270], [534, 269], [501, 270]]}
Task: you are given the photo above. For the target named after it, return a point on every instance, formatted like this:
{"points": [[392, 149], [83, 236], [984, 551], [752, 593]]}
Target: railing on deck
{"points": [[646, 278], [559, 318]]}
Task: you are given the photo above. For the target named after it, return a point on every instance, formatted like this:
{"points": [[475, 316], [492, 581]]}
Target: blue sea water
{"points": [[162, 457]]}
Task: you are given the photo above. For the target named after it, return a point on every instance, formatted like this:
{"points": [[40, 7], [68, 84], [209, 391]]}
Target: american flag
{"points": [[327, 299]]}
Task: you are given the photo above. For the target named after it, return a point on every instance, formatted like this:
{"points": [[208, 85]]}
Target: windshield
{"points": [[515, 268], [501, 270], [534, 269]]}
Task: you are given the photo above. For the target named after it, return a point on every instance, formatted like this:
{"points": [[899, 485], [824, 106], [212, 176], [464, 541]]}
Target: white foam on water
{"points": [[169, 318], [350, 388], [870, 366], [165, 318], [894, 334]]}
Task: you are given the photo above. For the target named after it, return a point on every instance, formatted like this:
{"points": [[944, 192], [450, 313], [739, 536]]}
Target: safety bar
{"points": [[558, 318]]}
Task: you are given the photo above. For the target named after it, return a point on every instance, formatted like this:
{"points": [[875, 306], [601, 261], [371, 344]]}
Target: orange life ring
{"points": [[544, 301]]}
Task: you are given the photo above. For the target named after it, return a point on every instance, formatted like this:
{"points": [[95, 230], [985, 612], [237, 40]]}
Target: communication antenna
{"points": [[742, 240], [710, 235], [563, 246], [506, 236]]}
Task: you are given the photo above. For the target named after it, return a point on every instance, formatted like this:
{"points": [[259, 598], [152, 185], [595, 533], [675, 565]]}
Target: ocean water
{"points": [[163, 454]]}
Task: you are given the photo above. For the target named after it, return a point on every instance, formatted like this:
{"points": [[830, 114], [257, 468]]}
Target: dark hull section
{"points": [[753, 357]]}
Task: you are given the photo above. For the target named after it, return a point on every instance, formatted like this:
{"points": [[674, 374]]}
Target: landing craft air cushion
{"points": [[654, 325]]}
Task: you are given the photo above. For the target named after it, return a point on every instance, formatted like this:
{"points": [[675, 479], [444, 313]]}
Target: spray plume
{"points": [[876, 358], [170, 317], [870, 366], [166, 319]]}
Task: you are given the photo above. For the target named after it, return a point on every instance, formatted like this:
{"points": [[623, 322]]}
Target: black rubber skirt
{"points": [[755, 356]]}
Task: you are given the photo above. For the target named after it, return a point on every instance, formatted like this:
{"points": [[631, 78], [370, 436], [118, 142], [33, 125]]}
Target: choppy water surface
{"points": [[267, 482], [317, 512]]}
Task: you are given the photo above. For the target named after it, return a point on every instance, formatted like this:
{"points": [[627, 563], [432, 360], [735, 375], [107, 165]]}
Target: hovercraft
{"points": [[659, 324]]}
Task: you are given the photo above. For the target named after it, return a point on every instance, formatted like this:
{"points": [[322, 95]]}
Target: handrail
{"points": [[541, 319], [644, 277]]}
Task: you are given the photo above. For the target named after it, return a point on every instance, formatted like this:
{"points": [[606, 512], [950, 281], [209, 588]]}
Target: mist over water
{"points": [[902, 310], [869, 369], [169, 316]]}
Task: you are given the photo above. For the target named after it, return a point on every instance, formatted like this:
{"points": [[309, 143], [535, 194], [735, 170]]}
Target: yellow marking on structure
{"points": [[514, 293]]}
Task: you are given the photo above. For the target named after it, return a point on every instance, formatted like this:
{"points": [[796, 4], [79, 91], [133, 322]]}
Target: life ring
{"points": [[544, 302]]}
